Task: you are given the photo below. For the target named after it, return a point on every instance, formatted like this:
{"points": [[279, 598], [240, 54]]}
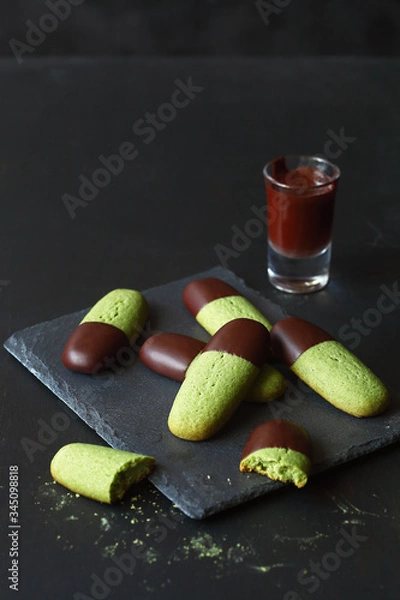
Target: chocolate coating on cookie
{"points": [[170, 354], [292, 336], [200, 292], [91, 344], [218, 379], [278, 433], [245, 338]]}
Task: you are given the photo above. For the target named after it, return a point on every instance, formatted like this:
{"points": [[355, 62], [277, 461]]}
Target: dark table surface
{"points": [[176, 209]]}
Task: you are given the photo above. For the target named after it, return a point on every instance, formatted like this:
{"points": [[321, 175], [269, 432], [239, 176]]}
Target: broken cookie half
{"points": [[99, 472], [279, 449]]}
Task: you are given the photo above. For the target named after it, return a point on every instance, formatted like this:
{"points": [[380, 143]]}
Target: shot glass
{"points": [[301, 194]]}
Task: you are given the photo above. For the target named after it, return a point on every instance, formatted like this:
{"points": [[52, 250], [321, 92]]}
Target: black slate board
{"points": [[129, 410]]}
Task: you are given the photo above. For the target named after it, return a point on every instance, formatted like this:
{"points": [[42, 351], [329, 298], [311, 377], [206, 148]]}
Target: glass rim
{"points": [[315, 158]]}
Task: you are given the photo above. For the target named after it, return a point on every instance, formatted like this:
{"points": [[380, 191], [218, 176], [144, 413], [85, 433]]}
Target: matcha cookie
{"points": [[328, 367], [269, 385], [218, 379], [112, 324], [170, 354], [213, 303], [279, 449], [99, 472]]}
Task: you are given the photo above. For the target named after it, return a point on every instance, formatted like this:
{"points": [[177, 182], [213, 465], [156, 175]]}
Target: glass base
{"points": [[299, 275]]}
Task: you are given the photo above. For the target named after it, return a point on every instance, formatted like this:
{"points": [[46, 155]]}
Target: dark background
{"points": [[126, 27], [145, 229]]}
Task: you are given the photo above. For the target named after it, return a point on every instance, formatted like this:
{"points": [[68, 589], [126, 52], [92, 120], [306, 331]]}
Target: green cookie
{"points": [[99, 472], [125, 309], [269, 385], [279, 464], [342, 379], [218, 312], [215, 384]]}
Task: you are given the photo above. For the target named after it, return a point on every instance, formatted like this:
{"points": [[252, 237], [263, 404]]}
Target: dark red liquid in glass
{"points": [[300, 219]]}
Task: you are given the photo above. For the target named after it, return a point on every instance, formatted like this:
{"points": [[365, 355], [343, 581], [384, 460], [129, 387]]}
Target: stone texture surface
{"points": [[129, 409]]}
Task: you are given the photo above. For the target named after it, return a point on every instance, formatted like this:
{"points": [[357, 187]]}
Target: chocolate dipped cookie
{"points": [[170, 354], [218, 379], [113, 323], [328, 367], [279, 449], [213, 303]]}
